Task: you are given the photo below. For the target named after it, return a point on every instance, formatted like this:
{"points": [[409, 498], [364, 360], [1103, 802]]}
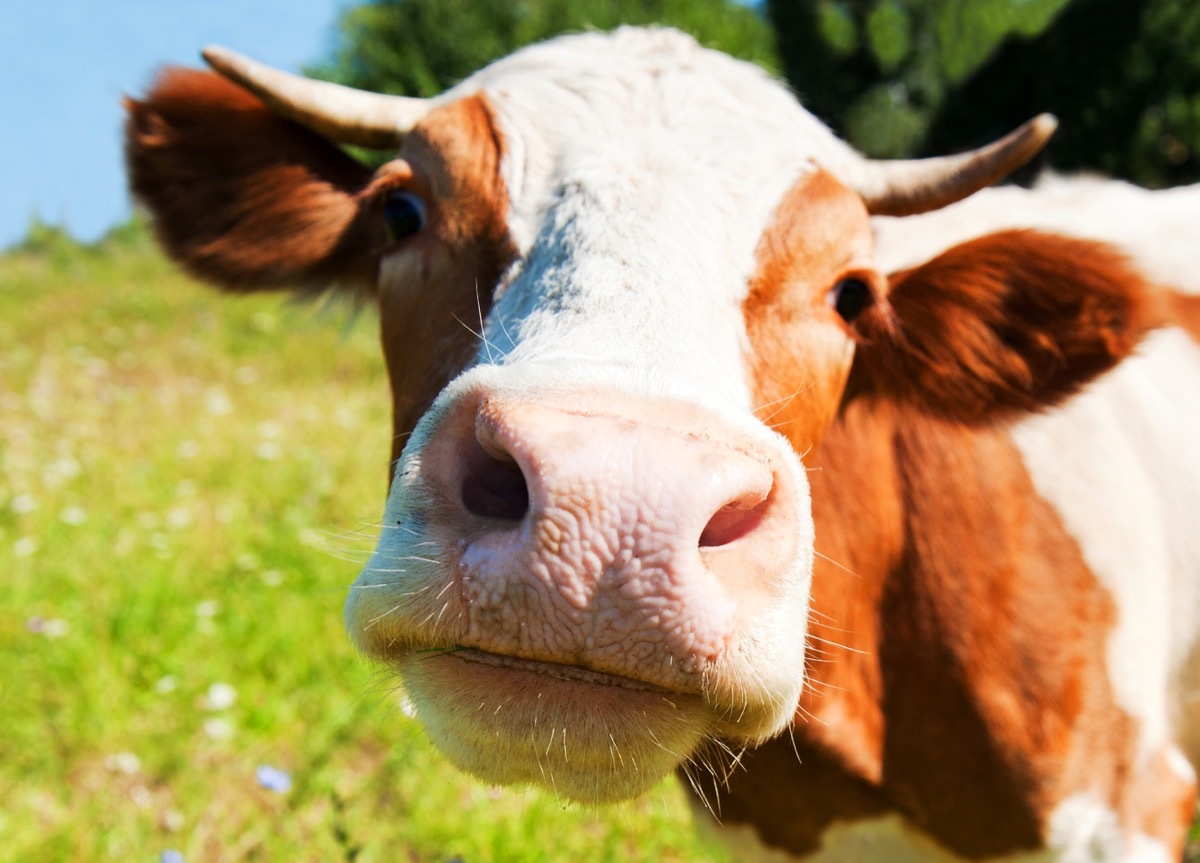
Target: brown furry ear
{"points": [[1011, 322], [242, 197]]}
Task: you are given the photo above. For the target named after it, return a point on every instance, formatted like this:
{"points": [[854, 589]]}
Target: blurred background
{"points": [[189, 483]]}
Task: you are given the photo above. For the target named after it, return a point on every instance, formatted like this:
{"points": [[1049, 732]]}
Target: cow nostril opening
{"points": [[495, 488], [733, 521]]}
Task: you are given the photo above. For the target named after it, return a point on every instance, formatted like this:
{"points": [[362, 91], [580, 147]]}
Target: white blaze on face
{"points": [[642, 170]]}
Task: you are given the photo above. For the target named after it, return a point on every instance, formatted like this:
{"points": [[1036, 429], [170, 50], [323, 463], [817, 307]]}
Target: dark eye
{"points": [[403, 213], [850, 298]]}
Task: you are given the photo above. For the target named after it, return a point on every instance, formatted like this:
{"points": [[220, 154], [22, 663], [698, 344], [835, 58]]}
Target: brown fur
{"points": [[433, 303], [1159, 801], [1011, 322], [801, 351], [241, 197], [958, 672], [1183, 310], [249, 201]]}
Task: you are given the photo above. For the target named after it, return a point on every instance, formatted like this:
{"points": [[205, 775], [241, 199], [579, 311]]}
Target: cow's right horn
{"points": [[344, 114], [907, 187]]}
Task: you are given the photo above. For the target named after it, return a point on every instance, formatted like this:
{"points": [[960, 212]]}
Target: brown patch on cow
{"points": [[241, 197], [1158, 801], [1183, 310], [1007, 323], [960, 678], [801, 349], [436, 287], [862, 543], [997, 696]]}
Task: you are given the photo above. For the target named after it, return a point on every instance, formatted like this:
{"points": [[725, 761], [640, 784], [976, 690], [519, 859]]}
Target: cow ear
{"points": [[241, 197], [1008, 323]]}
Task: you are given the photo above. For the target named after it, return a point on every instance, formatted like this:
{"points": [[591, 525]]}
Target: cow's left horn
{"points": [[907, 187], [344, 114]]}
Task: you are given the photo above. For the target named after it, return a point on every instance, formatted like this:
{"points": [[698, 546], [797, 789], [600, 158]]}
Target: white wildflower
{"points": [[23, 503], [187, 449], [268, 450], [221, 696], [123, 762], [218, 728], [179, 517], [73, 515], [217, 402]]}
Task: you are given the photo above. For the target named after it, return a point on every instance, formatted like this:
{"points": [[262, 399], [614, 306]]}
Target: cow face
{"points": [[599, 545], [623, 283]]}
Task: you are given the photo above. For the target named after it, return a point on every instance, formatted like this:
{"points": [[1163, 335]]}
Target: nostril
{"points": [[733, 521], [495, 488]]}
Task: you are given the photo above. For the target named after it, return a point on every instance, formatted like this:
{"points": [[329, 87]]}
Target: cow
{"points": [[719, 448]]}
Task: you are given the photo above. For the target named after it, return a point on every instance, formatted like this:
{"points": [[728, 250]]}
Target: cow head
{"points": [[622, 282]]}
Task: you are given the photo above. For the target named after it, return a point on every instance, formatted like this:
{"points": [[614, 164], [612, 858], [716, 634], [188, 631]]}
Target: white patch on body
{"points": [[1111, 462]]}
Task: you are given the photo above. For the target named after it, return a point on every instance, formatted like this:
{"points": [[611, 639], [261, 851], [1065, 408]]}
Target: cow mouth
{"points": [[556, 671]]}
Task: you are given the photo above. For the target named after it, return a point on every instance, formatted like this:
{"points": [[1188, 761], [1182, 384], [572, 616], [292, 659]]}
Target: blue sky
{"points": [[65, 64]]}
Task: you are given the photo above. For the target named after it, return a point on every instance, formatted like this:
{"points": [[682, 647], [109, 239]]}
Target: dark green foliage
{"points": [[1123, 78], [915, 77], [897, 78], [421, 47], [879, 71]]}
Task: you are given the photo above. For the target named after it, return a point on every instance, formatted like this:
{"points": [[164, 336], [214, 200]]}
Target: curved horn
{"points": [[911, 186], [344, 114]]}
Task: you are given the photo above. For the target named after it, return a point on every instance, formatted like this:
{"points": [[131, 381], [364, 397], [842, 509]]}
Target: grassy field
{"points": [[188, 484]]}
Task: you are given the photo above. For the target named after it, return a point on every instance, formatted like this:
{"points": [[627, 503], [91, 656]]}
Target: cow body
{"points": [[693, 459], [892, 700], [953, 689]]}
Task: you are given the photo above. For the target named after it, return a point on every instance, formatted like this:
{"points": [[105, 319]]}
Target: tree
{"points": [[1123, 78], [878, 71], [422, 47], [915, 77]]}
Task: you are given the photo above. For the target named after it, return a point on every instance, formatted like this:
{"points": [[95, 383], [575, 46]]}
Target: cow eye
{"points": [[403, 214], [850, 298]]}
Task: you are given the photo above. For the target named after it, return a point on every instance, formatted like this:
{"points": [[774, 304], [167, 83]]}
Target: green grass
{"points": [[188, 485]]}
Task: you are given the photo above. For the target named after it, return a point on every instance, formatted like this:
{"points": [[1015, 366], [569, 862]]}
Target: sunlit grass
{"points": [[188, 484]]}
